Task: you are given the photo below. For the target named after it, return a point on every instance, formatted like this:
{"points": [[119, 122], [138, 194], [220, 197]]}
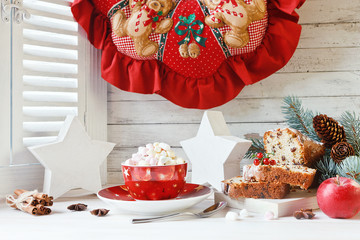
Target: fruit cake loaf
{"points": [[295, 175], [237, 187], [290, 146]]}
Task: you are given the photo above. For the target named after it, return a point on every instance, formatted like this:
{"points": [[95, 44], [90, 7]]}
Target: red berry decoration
{"points": [[272, 162], [259, 155], [266, 161], [256, 162]]}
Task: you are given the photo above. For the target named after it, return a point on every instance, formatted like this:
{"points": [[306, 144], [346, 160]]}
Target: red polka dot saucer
{"points": [[120, 198]]}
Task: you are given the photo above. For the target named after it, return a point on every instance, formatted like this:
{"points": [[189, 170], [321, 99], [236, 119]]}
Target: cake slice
{"points": [[290, 146], [295, 175], [237, 187]]}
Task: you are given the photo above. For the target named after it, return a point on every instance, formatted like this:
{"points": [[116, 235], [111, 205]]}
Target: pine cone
{"points": [[329, 130], [340, 151]]}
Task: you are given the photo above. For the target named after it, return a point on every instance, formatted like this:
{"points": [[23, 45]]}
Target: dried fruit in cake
{"points": [[237, 188], [290, 146], [295, 175]]}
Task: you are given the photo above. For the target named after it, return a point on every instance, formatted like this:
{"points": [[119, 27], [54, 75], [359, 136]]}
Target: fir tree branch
{"points": [[351, 124], [327, 168], [350, 168], [256, 147], [299, 118]]}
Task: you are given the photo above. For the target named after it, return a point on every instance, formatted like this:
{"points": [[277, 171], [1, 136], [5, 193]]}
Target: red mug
{"points": [[154, 182]]}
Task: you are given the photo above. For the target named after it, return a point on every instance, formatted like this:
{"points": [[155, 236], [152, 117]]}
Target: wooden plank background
{"points": [[324, 72]]}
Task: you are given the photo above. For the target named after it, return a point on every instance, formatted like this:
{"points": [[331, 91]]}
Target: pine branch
{"points": [[351, 124], [327, 168], [299, 118], [256, 147], [350, 168]]}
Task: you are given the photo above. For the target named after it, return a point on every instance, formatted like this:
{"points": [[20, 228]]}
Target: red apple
{"points": [[339, 197]]}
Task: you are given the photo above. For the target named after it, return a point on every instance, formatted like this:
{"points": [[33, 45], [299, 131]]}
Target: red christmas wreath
{"points": [[194, 53]]}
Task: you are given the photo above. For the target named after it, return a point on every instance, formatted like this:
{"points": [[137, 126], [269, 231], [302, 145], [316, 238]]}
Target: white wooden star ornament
{"points": [[73, 161], [215, 155]]}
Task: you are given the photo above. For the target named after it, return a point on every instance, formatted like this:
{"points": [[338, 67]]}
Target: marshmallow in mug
{"points": [[154, 154]]}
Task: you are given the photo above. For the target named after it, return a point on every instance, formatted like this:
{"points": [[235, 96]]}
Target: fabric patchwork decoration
{"points": [[196, 53]]}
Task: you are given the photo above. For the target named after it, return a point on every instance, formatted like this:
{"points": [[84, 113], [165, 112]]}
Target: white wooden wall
{"points": [[324, 73]]}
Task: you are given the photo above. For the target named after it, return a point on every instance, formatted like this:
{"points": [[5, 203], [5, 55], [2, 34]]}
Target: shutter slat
{"points": [[50, 52], [43, 126], [52, 23], [45, 111], [50, 67], [50, 37], [42, 81], [32, 141], [48, 7], [49, 29], [44, 13], [42, 96], [30, 72], [58, 2]]}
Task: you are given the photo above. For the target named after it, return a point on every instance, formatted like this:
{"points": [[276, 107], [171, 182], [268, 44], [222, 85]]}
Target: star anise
{"points": [[77, 207], [99, 212], [304, 213]]}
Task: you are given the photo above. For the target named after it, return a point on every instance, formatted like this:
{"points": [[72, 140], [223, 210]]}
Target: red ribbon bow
{"points": [[153, 15]]}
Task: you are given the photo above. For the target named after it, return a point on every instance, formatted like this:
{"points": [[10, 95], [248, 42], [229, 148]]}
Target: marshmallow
{"points": [[231, 216], [180, 160], [269, 215], [142, 150], [157, 149], [143, 163], [170, 154], [244, 213], [163, 160], [165, 146], [151, 153], [149, 146], [170, 162], [129, 162], [163, 153], [154, 154], [153, 161]]}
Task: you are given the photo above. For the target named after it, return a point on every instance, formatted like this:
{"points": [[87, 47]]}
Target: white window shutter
{"points": [[48, 75], [4, 95], [56, 72]]}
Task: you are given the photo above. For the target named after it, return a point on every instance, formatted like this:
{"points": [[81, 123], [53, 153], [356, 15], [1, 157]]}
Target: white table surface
{"points": [[64, 224]]}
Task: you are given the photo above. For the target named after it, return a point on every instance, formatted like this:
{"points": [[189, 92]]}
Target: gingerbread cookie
{"points": [[238, 15], [145, 19]]}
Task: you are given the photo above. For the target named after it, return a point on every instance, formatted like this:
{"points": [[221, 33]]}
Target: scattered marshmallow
{"points": [[231, 216], [269, 215], [244, 213]]}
